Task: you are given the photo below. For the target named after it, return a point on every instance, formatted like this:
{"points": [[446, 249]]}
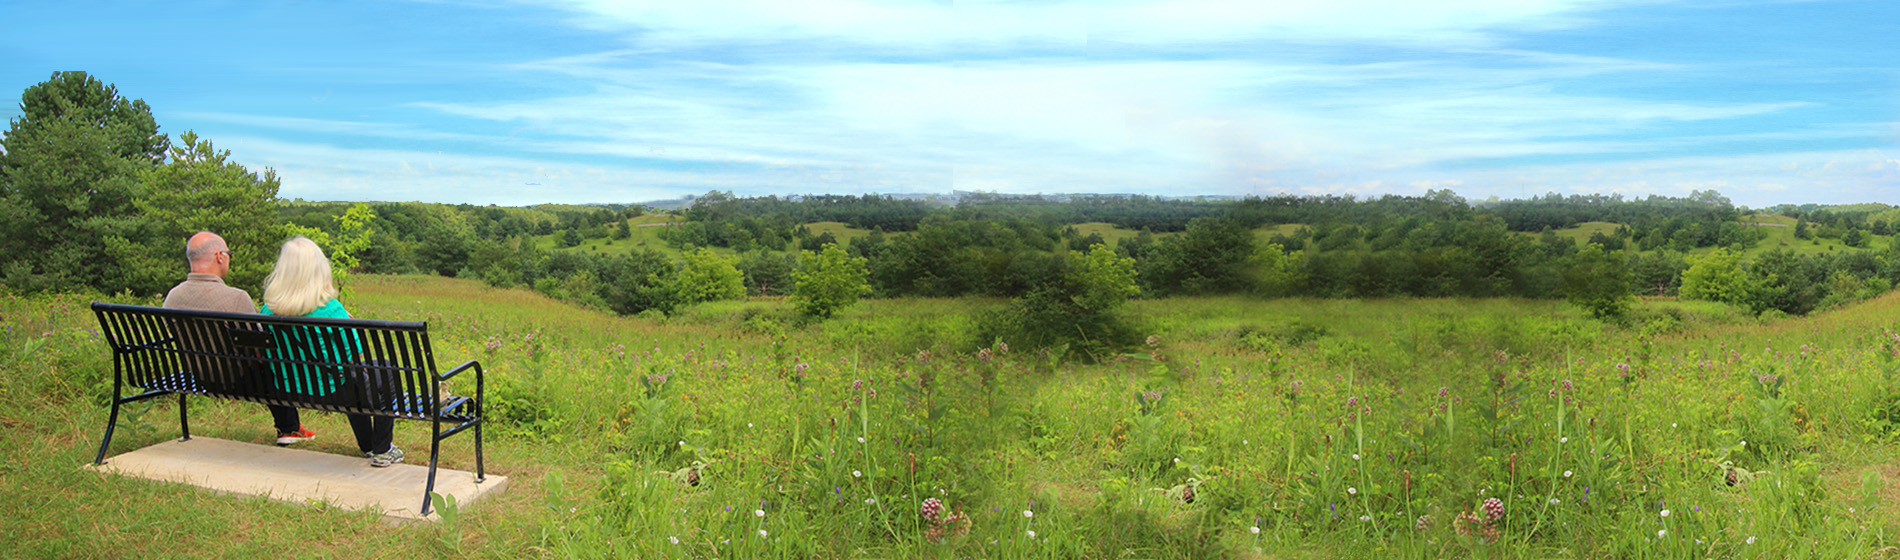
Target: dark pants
{"points": [[373, 433], [285, 418]]}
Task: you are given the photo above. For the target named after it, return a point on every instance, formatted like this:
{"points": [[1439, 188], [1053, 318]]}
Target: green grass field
{"points": [[1779, 229], [1303, 428], [1781, 236], [1581, 234], [839, 231], [645, 234]]}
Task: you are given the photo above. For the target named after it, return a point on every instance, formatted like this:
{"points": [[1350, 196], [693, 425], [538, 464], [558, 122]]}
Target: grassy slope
{"points": [[1780, 231], [1228, 407], [645, 235]]}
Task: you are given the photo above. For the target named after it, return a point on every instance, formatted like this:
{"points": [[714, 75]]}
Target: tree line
{"points": [[92, 196]]}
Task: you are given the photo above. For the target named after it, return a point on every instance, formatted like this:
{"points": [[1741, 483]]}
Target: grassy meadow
{"points": [[1245, 429]]}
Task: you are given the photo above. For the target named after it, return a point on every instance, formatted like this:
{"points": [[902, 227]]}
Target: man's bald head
{"points": [[203, 251]]}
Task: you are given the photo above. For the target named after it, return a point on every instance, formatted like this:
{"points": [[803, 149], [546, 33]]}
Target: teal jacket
{"points": [[315, 381]]}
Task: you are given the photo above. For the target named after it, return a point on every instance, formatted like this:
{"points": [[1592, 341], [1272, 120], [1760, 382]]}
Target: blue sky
{"points": [[521, 102]]}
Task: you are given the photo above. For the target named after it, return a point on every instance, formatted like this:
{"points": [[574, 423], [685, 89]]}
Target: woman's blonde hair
{"points": [[301, 281]]}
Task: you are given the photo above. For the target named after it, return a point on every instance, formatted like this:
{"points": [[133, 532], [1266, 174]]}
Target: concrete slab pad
{"points": [[301, 476]]}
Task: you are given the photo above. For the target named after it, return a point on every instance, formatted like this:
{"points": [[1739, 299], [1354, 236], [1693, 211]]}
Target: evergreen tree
{"points": [[69, 168]]}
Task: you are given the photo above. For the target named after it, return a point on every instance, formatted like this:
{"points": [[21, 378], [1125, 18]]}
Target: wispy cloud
{"points": [[1160, 96], [980, 25]]}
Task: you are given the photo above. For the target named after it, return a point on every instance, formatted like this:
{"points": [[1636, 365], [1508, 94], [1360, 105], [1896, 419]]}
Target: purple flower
{"points": [[1494, 508]]}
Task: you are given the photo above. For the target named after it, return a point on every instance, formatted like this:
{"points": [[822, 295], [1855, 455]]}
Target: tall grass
{"points": [[1250, 429]]}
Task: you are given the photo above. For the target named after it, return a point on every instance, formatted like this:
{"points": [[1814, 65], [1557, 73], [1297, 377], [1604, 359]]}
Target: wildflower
{"points": [[1624, 368], [1553, 501], [1567, 474], [1665, 513], [1444, 392], [1352, 402], [1151, 396], [1365, 518], [983, 355], [856, 474], [800, 368], [762, 533], [1568, 386], [1424, 523], [1002, 347], [870, 501], [1177, 460], [932, 508], [1027, 513], [1031, 533], [1751, 539], [1661, 532], [758, 513], [1352, 490], [1355, 456], [1153, 341], [1494, 509], [1465, 522], [674, 540], [857, 385], [1255, 529], [860, 439]]}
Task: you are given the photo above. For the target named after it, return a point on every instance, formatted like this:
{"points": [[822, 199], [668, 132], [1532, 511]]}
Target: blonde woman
{"points": [[301, 286]]}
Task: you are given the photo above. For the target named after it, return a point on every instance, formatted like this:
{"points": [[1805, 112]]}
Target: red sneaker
{"points": [[287, 438]]}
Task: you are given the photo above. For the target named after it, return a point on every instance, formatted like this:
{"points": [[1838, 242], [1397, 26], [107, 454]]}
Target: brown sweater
{"points": [[207, 292]]}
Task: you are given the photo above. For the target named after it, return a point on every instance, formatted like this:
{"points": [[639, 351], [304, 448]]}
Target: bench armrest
{"points": [[477, 366]]}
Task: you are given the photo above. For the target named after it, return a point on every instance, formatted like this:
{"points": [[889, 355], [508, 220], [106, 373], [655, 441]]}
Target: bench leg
{"points": [[184, 425], [435, 446], [480, 475], [111, 422]]}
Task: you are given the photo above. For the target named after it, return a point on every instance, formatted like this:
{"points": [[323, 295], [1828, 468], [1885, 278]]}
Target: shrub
{"points": [[830, 280]]}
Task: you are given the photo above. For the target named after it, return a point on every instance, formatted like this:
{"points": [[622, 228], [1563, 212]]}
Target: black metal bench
{"points": [[158, 352]]}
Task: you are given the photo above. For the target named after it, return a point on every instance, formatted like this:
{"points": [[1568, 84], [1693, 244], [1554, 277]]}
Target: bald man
{"points": [[204, 290]]}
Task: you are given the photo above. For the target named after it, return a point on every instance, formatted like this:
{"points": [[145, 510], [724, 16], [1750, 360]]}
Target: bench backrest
{"points": [[280, 360]]}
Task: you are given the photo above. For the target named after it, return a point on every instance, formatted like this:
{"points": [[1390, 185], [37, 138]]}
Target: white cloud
{"points": [[980, 24]]}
